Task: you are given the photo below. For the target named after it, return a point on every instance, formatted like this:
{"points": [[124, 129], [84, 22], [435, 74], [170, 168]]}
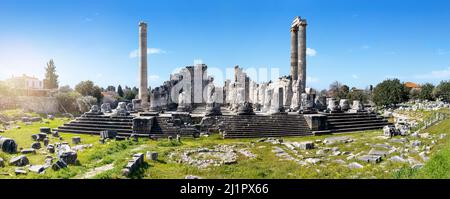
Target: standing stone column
{"points": [[143, 84], [294, 51], [302, 54]]}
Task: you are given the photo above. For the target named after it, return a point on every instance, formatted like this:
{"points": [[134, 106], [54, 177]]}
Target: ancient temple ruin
{"points": [[190, 103]]}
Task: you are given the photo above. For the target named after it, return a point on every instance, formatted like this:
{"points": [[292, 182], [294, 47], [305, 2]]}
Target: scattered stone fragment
{"points": [[82, 147], [370, 158], [55, 134], [46, 141], [36, 145], [37, 168], [45, 130], [50, 117], [60, 164], [337, 140], [313, 160], [69, 157], [19, 161], [191, 177], [399, 140], [76, 140], [2, 162], [339, 161], [416, 143], [415, 134], [51, 148], [247, 153], [320, 152], [8, 145], [28, 151], [108, 134], [423, 156], [424, 135], [35, 119], [151, 155], [20, 171], [304, 145], [442, 136], [397, 159], [385, 146], [134, 138], [336, 153], [378, 152], [355, 165], [390, 131], [39, 137], [48, 160], [136, 161]]}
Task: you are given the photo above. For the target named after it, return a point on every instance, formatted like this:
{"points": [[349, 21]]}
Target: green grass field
{"points": [[266, 165]]}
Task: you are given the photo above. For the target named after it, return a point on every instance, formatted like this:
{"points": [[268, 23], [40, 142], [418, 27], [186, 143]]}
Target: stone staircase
{"points": [[94, 124], [254, 126], [347, 122], [166, 126]]}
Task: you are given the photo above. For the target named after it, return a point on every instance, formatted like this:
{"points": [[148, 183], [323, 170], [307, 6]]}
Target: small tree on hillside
{"points": [[87, 88], [389, 92], [51, 78], [442, 91], [120, 91], [426, 92]]}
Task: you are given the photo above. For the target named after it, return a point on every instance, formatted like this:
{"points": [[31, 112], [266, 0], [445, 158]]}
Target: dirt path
{"points": [[93, 172]]}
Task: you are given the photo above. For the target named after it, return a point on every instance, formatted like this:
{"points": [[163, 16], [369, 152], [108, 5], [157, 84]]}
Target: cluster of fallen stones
{"points": [[66, 155], [378, 152], [205, 157]]}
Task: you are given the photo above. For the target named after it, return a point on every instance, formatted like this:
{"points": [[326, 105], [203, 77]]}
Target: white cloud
{"points": [[354, 76], [99, 75], [311, 52], [88, 19], [365, 47], [135, 53], [310, 79], [436, 74], [153, 78], [442, 52]]}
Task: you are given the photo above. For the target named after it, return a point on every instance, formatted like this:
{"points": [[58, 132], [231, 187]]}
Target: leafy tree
{"points": [[111, 88], [85, 103], [343, 92], [414, 93], [67, 99], [360, 95], [51, 78], [390, 92], [442, 91], [426, 92], [130, 94], [120, 91], [87, 88], [334, 89]]}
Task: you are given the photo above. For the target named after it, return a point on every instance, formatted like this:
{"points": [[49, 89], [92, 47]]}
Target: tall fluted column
{"points": [[302, 54], [143, 84], [294, 52]]}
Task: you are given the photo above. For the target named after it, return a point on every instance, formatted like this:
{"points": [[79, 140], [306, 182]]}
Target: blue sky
{"points": [[357, 42]]}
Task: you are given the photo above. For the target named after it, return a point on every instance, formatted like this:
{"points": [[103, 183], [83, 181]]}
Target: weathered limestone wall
{"points": [[30, 103]]}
